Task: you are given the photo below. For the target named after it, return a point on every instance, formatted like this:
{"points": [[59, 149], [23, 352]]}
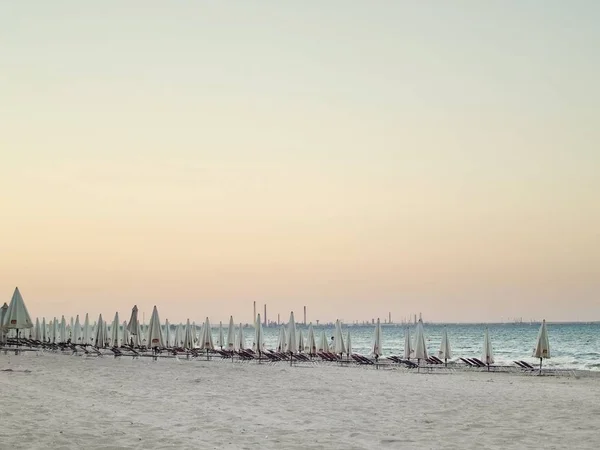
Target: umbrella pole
{"points": [[17, 350], [540, 366], [418, 365], [291, 358], [446, 362]]}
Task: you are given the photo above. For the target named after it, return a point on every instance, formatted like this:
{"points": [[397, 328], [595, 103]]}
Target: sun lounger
{"points": [[527, 365]]}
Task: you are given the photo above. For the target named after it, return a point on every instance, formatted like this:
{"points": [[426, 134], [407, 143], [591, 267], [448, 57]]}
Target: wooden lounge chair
{"points": [[468, 362]]}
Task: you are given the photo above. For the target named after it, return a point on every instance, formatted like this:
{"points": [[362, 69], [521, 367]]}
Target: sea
{"points": [[572, 345]]}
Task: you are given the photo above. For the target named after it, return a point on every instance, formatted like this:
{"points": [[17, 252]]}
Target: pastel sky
{"points": [[358, 158]]}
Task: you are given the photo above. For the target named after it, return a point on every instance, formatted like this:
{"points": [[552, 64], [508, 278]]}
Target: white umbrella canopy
{"points": [[323, 343], [133, 325], [231, 335], [155, 337], [291, 342], [377, 338], [338, 341], [188, 339], [221, 340], [168, 334], [300, 341], [311, 343], [16, 315], [62, 330], [445, 352], [259, 339], [138, 336], [76, 339], [100, 338], [348, 344], [71, 327], [3, 310], [44, 335], [488, 354], [179, 335], [282, 340], [420, 345], [126, 336], [106, 335], [115, 336], [195, 333], [408, 350], [207, 340], [87, 331], [54, 333], [240, 342], [37, 330], [542, 346]]}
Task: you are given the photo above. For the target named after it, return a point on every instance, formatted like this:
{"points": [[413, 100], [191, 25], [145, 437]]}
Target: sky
{"points": [[357, 158]]}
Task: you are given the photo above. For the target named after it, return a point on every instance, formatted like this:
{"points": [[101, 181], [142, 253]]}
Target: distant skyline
{"points": [[356, 158]]}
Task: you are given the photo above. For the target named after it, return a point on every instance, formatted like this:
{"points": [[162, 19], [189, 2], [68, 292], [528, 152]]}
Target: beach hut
{"points": [[445, 352], [488, 354], [311, 343], [292, 343], [155, 336], [338, 341], [16, 315], [408, 350], [542, 346], [420, 350], [115, 336], [231, 335], [376, 349]]}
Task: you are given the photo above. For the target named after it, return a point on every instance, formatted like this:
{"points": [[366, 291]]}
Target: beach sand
{"points": [[53, 401]]}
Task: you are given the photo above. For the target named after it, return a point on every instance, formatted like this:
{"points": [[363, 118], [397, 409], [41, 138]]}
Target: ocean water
{"points": [[572, 345]]}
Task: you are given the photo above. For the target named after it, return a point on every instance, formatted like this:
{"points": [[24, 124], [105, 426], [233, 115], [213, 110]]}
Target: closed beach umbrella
{"points": [[100, 337], [54, 332], [281, 342], [106, 335], [76, 339], [2, 314], [323, 343], [240, 341], [339, 347], [542, 346], [259, 339], [115, 336], [71, 326], [44, 335], [311, 343], [300, 341], [155, 335], [420, 346], [231, 335], [168, 334], [376, 350], [221, 342], [138, 336], [37, 330], [62, 330], [179, 336], [408, 350], [445, 351], [488, 354], [348, 344], [126, 335], [188, 339], [292, 342], [16, 316], [87, 331], [133, 325], [207, 340]]}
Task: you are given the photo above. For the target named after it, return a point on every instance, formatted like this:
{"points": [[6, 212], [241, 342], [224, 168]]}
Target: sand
{"points": [[53, 401]]}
